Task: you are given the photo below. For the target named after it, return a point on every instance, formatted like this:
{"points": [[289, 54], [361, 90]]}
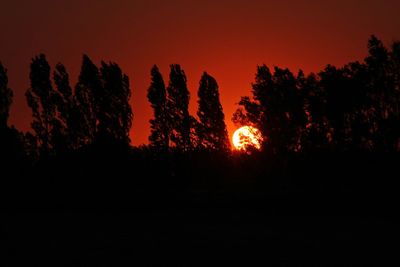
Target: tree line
{"points": [[96, 112], [351, 108], [173, 126]]}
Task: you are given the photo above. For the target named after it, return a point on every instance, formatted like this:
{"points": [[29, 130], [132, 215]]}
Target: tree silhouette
{"points": [[318, 127], [114, 113], [11, 140], [86, 102], [212, 131], [383, 93], [357, 107], [276, 108], [339, 103], [6, 95], [178, 109], [394, 72], [64, 105], [157, 96], [40, 97], [252, 111], [351, 108]]}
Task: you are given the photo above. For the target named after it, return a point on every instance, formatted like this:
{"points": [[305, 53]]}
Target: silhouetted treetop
{"points": [[64, 106], [276, 108], [114, 112], [6, 95], [159, 125], [11, 143], [354, 107], [212, 132], [178, 109], [41, 99], [87, 98]]}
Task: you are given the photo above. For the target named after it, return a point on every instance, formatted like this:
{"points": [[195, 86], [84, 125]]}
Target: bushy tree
{"points": [[276, 108], [317, 131], [339, 103], [394, 73], [383, 94]]}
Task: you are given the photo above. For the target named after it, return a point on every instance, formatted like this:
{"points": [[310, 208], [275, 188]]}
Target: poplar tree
{"points": [[157, 96], [178, 109], [6, 95], [86, 102], [40, 97], [212, 132], [64, 106], [114, 113]]}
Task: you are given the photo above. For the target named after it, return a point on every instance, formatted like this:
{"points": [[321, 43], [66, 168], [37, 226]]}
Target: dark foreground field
{"points": [[199, 236], [246, 211]]}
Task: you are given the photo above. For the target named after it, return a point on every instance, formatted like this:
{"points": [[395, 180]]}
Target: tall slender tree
{"points": [[212, 132], [40, 97], [114, 113], [178, 109], [64, 105], [157, 96], [11, 140], [6, 95], [86, 102]]}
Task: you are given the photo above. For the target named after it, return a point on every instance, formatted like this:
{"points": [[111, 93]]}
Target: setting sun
{"points": [[247, 137]]}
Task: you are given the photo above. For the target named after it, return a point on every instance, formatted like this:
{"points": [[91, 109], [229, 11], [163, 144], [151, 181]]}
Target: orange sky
{"points": [[226, 38]]}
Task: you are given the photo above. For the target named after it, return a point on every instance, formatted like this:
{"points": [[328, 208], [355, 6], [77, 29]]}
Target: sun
{"points": [[247, 137]]}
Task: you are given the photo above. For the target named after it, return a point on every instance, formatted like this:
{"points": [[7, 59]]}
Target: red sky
{"points": [[226, 38]]}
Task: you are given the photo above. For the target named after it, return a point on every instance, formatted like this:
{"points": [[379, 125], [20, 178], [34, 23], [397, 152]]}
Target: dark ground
{"points": [[306, 212], [194, 236]]}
